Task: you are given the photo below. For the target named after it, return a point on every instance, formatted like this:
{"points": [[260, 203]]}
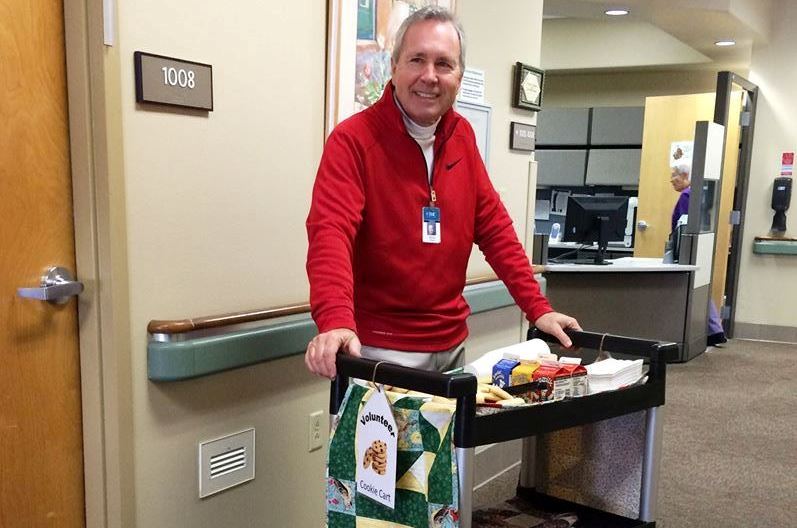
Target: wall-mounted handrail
{"points": [[181, 326], [185, 349]]}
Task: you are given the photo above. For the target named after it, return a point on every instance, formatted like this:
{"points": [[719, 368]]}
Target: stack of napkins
{"points": [[611, 374]]}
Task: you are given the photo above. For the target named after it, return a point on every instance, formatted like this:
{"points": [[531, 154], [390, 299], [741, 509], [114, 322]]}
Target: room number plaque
{"points": [[175, 82]]}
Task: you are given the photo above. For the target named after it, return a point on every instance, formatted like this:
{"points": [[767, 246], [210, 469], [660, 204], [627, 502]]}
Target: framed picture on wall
{"points": [[527, 87], [360, 40]]}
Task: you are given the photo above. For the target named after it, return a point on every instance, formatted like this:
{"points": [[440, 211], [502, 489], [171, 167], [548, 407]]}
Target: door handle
{"points": [[57, 286], [642, 225]]}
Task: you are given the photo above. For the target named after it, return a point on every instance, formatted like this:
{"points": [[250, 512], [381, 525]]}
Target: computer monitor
{"points": [[596, 220]]}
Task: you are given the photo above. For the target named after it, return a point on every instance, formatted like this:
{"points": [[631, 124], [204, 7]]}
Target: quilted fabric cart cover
{"points": [[426, 475]]}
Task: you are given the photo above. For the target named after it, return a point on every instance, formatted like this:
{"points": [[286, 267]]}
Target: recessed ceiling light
{"points": [[616, 12], [725, 43]]}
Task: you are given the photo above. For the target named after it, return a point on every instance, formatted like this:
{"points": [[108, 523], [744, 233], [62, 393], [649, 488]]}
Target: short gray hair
{"points": [[683, 167], [440, 14]]}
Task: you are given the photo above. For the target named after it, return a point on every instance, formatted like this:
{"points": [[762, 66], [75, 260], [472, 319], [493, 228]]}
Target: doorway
{"points": [[41, 421], [729, 83]]}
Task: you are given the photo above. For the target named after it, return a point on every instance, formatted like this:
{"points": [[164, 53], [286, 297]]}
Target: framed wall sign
{"points": [[521, 136], [173, 82], [527, 88]]}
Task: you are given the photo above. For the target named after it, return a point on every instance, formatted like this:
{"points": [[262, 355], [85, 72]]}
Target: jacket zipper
{"points": [[430, 177], [435, 163]]}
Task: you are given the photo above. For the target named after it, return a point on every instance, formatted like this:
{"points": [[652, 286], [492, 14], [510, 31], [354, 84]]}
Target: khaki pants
{"points": [[439, 361]]}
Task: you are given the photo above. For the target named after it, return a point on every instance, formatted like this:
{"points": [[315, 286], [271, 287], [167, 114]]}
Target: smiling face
{"points": [[427, 73]]}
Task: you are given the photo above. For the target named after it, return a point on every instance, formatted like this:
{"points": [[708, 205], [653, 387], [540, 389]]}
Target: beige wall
{"points": [[222, 196], [208, 217], [623, 89], [215, 205], [768, 283], [611, 42], [520, 41]]}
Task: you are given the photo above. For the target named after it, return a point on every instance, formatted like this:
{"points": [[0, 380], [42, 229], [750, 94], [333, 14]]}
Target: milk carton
{"points": [[556, 379], [578, 376], [502, 372]]}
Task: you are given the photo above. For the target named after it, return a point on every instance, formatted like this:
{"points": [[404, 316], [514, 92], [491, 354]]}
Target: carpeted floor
{"points": [[730, 439], [729, 456]]}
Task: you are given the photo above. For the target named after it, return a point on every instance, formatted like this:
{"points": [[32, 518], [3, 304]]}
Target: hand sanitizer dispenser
{"points": [[781, 196]]}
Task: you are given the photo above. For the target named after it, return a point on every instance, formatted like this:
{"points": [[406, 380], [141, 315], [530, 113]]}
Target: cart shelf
{"points": [[520, 422]]}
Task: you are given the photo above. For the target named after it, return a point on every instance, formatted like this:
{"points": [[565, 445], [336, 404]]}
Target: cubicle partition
{"points": [[585, 151]]}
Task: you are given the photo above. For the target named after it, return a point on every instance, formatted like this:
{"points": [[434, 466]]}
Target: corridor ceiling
{"points": [[656, 35]]}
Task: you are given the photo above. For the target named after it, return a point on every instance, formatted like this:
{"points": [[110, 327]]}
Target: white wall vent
{"points": [[226, 462]]}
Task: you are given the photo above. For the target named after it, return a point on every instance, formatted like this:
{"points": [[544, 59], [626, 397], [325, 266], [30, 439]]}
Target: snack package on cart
{"points": [[426, 491], [531, 350]]}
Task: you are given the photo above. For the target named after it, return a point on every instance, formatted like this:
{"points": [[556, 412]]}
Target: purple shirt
{"points": [[681, 207]]}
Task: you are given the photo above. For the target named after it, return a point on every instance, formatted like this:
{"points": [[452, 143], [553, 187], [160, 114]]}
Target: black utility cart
{"points": [[473, 429]]}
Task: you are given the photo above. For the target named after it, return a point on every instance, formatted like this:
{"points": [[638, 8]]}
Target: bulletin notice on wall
{"points": [[472, 88]]}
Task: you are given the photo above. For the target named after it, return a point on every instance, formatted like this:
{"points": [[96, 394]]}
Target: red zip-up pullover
{"points": [[368, 267]]}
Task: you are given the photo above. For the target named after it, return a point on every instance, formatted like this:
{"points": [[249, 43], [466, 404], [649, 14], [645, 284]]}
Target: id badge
{"points": [[431, 225]]}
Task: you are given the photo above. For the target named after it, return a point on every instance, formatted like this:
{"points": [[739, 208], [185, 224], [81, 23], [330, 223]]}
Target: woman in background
{"points": [[680, 183]]}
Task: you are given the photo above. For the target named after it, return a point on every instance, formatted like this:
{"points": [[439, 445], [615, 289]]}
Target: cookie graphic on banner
{"points": [[377, 446]]}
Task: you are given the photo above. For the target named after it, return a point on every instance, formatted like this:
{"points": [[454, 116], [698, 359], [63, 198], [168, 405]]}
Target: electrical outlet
{"points": [[314, 433]]}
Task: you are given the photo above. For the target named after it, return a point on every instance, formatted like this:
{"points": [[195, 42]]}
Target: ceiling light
{"points": [[616, 12], [725, 43]]}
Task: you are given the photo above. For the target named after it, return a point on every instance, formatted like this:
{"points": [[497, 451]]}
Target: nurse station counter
{"points": [[640, 297]]}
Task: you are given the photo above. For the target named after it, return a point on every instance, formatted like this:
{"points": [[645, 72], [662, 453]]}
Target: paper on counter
{"points": [[527, 350]]}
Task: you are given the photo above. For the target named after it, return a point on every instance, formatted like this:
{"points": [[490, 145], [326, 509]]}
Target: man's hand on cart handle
{"points": [[321, 351], [555, 324]]}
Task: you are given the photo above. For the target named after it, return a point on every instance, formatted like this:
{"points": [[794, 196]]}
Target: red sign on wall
{"points": [[787, 163]]}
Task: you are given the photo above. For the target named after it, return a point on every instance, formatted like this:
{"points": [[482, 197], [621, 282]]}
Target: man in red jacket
{"points": [[400, 197]]}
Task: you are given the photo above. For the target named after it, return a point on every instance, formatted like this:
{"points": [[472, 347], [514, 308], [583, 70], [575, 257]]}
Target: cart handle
{"points": [[430, 382], [657, 352], [459, 386]]}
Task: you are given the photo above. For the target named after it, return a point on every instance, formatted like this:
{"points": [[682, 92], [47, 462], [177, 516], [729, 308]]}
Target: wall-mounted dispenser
{"points": [[781, 196]]}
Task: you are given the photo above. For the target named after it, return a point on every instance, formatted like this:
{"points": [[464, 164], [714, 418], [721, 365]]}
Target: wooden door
{"points": [[41, 457], [669, 119]]}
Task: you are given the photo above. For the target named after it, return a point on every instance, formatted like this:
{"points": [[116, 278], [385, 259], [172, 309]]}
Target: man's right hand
{"points": [[321, 352]]}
